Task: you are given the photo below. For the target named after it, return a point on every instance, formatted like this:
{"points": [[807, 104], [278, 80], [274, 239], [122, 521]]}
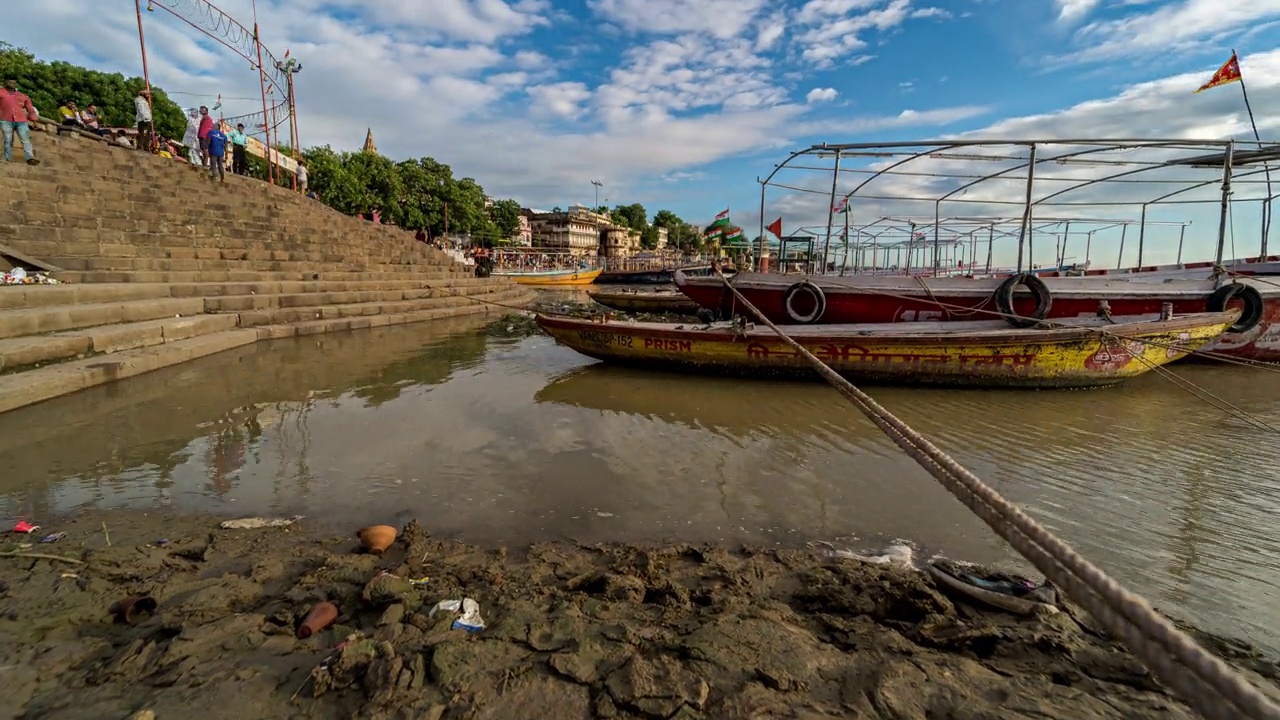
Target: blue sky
{"points": [[682, 103]]}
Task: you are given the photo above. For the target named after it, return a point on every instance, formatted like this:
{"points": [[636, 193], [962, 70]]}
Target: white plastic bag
{"points": [[468, 613]]}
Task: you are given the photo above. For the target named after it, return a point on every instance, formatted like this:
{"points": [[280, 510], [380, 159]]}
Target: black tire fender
{"points": [[1254, 307], [1004, 299], [819, 302]]}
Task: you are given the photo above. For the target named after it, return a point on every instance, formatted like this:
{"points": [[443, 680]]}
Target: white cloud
{"points": [[1072, 10], [718, 18], [769, 30], [1174, 27], [563, 99], [930, 12], [833, 29], [821, 95]]}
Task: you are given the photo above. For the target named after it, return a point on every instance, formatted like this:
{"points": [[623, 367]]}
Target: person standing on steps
{"points": [[206, 126], [142, 117], [16, 115], [239, 143], [217, 153], [302, 177]]}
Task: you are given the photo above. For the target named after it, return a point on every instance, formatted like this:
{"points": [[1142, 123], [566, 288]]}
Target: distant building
{"points": [[524, 235], [576, 230], [369, 145], [662, 238]]}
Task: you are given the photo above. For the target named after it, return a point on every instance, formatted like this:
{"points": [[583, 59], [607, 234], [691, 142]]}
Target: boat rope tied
{"points": [[1208, 684]]}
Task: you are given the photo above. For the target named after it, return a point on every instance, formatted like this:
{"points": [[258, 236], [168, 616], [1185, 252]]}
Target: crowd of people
{"points": [[205, 143]]}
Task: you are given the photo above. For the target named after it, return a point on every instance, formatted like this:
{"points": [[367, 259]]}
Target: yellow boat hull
{"points": [[1090, 353], [566, 278]]}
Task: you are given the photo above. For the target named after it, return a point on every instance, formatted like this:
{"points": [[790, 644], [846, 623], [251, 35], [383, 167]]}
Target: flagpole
{"points": [[1266, 167]]}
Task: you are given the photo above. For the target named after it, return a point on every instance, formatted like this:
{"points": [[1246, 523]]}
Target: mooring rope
{"points": [[1212, 688]]}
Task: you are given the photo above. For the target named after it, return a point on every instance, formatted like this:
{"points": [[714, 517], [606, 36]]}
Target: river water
{"points": [[493, 435]]}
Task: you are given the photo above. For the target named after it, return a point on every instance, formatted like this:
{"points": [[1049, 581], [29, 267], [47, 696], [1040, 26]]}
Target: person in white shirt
{"points": [[302, 177], [142, 116]]}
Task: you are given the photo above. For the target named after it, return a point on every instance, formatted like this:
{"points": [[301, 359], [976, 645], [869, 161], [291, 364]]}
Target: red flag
{"points": [[775, 227], [1228, 73]]}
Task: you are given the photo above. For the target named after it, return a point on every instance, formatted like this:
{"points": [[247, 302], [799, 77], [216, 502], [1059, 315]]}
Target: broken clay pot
{"points": [[134, 608], [376, 538], [321, 616]]}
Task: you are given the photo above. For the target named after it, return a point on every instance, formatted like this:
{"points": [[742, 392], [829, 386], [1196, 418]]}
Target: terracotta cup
{"points": [[376, 538], [132, 609], [321, 616]]}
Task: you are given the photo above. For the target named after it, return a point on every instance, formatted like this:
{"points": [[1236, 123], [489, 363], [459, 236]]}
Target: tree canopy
{"points": [[50, 84]]}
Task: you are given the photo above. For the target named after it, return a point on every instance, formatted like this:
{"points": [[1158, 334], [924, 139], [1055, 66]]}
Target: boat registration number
{"points": [[607, 339]]}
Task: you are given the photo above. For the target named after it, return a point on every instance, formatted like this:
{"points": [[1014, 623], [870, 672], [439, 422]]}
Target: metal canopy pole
{"points": [[831, 211], [1226, 200], [1142, 232], [1025, 230]]}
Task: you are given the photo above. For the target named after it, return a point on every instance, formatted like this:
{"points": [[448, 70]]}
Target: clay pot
{"points": [[320, 617], [134, 608], [376, 538]]}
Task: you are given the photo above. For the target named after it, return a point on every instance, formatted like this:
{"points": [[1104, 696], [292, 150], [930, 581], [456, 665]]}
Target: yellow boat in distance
{"points": [[1072, 353], [584, 276]]}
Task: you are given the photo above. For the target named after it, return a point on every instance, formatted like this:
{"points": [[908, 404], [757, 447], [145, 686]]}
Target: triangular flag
{"points": [[1228, 73], [775, 227]]}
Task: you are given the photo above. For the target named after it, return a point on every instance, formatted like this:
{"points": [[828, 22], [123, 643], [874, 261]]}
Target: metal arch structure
{"points": [[764, 185], [1141, 161], [219, 26]]}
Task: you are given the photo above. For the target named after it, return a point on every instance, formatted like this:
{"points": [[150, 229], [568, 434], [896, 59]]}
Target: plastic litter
{"points": [[468, 613], [25, 527], [253, 523], [19, 276], [53, 537]]}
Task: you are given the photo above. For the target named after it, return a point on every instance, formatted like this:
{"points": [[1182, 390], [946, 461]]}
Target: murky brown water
{"points": [[510, 439]]}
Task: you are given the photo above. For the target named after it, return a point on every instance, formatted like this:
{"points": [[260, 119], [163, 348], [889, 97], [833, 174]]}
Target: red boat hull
{"points": [[859, 299]]}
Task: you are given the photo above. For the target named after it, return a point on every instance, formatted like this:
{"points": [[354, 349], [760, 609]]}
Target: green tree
{"points": [[632, 216], [50, 84], [680, 234], [506, 217]]}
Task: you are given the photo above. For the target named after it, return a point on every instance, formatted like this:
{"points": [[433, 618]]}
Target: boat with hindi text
{"points": [[1080, 353]]}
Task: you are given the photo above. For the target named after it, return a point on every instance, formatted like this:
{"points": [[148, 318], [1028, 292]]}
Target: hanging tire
{"points": [[1040, 291], [1250, 316], [819, 302]]}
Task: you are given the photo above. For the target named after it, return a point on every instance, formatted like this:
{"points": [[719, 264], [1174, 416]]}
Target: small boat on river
{"points": [[570, 277], [653, 277], [1079, 353], [657, 301]]}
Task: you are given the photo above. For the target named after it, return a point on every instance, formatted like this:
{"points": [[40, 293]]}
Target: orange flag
{"points": [[1228, 73]]}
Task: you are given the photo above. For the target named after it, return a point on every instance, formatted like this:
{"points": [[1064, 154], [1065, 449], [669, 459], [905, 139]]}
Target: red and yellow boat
{"points": [[1084, 352]]}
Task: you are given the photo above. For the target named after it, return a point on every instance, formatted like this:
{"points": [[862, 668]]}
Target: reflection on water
{"points": [[499, 439]]}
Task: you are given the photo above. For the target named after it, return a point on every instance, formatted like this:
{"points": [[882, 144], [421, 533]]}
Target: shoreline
{"points": [[571, 631]]}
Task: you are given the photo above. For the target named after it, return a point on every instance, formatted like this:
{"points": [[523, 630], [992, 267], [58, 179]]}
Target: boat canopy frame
{"points": [[1129, 161]]}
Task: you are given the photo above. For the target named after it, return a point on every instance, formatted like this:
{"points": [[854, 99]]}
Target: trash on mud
{"points": [[321, 616], [25, 527], [134, 608], [376, 538], [1005, 591], [468, 613], [53, 537], [253, 523], [896, 554]]}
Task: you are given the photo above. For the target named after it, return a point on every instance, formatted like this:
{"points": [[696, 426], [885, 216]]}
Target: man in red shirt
{"points": [[206, 126], [16, 114]]}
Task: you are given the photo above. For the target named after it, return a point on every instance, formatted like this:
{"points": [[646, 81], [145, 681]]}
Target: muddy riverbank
{"points": [[571, 631]]}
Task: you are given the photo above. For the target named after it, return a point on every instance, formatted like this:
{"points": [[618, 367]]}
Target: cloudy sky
{"points": [[684, 103]]}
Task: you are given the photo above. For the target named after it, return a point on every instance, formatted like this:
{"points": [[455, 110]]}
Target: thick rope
{"points": [[1209, 686]]}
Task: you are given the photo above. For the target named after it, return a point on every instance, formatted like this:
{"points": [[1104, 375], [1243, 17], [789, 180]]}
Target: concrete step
{"points": [[316, 298], [22, 352], [240, 276], [293, 287], [176, 265], [32, 386], [289, 315], [54, 318], [30, 296]]}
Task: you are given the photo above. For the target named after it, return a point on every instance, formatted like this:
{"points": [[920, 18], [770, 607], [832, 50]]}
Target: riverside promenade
{"points": [[160, 264]]}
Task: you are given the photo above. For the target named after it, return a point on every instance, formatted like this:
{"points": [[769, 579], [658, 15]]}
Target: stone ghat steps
{"points": [[164, 247], [90, 264], [27, 387], [36, 367], [254, 276]]}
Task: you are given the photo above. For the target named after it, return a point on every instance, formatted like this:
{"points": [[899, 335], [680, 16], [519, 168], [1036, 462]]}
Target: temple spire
{"points": [[369, 145]]}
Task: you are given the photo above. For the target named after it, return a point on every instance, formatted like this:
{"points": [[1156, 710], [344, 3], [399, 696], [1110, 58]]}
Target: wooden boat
{"points": [[584, 276], [1090, 352], [796, 299], [658, 301]]}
